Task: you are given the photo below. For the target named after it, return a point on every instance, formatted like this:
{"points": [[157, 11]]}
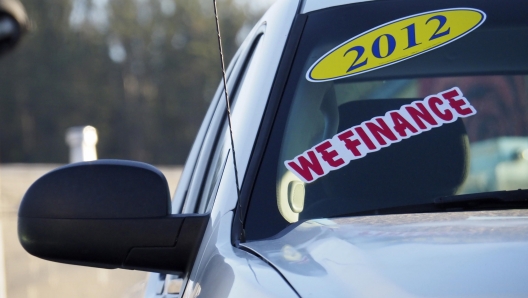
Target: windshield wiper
{"points": [[505, 196], [494, 200]]}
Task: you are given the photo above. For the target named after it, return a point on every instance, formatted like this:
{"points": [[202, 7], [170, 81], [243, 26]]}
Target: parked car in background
{"points": [[381, 149]]}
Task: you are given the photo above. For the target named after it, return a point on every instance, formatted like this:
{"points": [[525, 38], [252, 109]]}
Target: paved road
{"points": [[27, 276]]}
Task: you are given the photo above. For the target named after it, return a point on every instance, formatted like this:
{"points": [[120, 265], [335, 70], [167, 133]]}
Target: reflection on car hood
{"points": [[458, 254]]}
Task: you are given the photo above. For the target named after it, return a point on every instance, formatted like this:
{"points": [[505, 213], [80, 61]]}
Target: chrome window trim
{"points": [[178, 199], [213, 136], [313, 5]]}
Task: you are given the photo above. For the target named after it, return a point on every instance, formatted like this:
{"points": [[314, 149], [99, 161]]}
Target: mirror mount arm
{"points": [[162, 259]]}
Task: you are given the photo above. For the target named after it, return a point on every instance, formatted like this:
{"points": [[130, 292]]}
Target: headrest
{"points": [[413, 171]]}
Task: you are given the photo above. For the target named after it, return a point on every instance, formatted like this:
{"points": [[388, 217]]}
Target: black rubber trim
{"points": [[221, 124], [279, 84]]}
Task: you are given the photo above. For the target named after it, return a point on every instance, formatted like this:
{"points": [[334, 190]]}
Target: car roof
{"points": [[311, 5]]}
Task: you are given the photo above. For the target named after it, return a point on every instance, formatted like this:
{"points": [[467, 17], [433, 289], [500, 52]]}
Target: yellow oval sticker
{"points": [[394, 42]]}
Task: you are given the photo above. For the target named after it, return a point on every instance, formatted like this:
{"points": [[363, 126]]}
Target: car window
{"points": [[425, 99], [190, 165], [220, 155], [209, 165]]}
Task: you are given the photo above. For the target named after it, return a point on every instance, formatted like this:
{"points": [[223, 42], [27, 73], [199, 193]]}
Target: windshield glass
{"points": [[421, 100]]}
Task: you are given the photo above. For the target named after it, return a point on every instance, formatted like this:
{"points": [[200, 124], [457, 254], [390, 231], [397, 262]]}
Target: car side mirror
{"points": [[108, 214]]}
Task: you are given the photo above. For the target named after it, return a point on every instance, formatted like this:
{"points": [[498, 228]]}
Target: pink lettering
{"points": [[421, 114], [458, 104], [365, 138], [305, 167], [351, 145], [329, 156], [433, 103], [381, 130], [401, 124], [359, 140]]}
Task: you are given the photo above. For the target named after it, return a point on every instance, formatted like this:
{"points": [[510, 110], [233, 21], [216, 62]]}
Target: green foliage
{"points": [[146, 106]]}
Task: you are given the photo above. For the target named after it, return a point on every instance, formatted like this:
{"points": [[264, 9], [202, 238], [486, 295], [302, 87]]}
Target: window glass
{"points": [[422, 100], [219, 158]]}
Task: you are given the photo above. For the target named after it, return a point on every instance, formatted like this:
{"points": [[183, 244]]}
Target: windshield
{"points": [[420, 100]]}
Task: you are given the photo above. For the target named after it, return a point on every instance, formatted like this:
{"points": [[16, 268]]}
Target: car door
{"points": [[206, 162]]}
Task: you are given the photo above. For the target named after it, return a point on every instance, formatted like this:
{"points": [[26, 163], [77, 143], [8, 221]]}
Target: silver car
{"points": [[381, 150]]}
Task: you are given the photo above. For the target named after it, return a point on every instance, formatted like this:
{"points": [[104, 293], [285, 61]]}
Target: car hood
{"points": [[458, 254]]}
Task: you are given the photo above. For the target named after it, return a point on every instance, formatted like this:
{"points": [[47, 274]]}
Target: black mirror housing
{"points": [[108, 214]]}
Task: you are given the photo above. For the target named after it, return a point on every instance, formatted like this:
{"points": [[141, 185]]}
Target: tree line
{"points": [[142, 72]]}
